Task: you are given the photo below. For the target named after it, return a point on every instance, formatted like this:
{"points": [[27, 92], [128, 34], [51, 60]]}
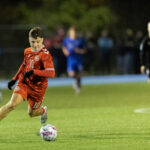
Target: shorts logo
{"points": [[36, 105], [17, 88], [36, 58]]}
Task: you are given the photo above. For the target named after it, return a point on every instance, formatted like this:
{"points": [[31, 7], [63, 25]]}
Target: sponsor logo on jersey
{"points": [[36, 58]]}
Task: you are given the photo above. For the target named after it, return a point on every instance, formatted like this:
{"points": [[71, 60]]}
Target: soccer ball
{"points": [[48, 132]]}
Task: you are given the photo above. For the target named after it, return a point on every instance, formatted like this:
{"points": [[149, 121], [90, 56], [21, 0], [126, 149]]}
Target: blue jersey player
{"points": [[73, 49]]}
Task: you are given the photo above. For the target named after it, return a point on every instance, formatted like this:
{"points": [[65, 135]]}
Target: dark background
{"points": [[17, 17]]}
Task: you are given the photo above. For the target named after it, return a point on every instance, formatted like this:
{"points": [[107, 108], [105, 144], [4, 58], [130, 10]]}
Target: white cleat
{"points": [[76, 88], [78, 91], [44, 116]]}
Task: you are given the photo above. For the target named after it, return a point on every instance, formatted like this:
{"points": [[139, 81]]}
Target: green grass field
{"points": [[102, 117]]}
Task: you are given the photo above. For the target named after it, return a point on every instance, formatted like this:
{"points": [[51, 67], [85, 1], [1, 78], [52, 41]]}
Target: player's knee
{"points": [[11, 106], [31, 114], [71, 74]]}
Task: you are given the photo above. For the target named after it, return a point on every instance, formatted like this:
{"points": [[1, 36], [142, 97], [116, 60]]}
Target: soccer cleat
{"points": [[76, 88], [44, 116], [78, 91]]}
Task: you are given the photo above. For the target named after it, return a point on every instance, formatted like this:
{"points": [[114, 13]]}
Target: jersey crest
{"points": [[36, 58]]}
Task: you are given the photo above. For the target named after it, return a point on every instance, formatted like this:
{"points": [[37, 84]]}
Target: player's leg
{"points": [[42, 111], [72, 73], [34, 112], [35, 109], [77, 80], [15, 100], [77, 76]]}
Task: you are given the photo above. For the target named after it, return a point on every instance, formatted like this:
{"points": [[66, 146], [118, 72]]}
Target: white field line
{"points": [[142, 110]]}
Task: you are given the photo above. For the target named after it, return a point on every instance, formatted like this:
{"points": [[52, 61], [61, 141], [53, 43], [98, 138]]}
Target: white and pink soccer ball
{"points": [[48, 132]]}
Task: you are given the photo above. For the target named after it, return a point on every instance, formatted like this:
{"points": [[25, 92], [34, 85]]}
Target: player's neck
{"points": [[33, 50]]}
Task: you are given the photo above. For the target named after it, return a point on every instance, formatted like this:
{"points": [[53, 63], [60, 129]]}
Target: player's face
{"points": [[72, 33], [36, 44]]}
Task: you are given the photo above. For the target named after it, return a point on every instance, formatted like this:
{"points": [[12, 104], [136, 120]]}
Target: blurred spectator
{"points": [[91, 54], [145, 53], [125, 53], [120, 54], [54, 45], [129, 52], [105, 45], [0, 51], [0, 89], [137, 41]]}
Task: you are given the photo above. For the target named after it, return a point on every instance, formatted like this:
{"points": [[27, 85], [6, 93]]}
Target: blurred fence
{"points": [[14, 39]]}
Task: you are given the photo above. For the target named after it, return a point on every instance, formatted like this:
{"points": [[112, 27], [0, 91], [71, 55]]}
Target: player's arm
{"points": [[65, 51], [143, 56], [48, 72], [64, 48], [80, 51]]}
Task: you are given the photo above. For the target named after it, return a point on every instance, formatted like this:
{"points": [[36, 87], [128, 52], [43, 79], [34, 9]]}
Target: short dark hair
{"points": [[36, 32]]}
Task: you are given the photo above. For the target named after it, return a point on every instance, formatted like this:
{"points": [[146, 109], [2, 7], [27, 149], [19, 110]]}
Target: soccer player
{"points": [[73, 49], [145, 53], [32, 78]]}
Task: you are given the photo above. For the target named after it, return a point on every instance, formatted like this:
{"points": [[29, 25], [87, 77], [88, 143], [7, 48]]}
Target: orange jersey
{"points": [[35, 60]]}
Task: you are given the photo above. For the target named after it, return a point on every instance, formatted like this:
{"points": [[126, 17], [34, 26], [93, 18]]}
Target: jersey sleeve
{"points": [[49, 70], [47, 61]]}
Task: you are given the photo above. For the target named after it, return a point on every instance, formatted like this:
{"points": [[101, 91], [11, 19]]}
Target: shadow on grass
{"points": [[105, 136]]}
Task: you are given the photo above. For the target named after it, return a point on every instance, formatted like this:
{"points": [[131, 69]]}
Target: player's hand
{"points": [[77, 50], [66, 53], [27, 75], [142, 69], [80, 51], [11, 83]]}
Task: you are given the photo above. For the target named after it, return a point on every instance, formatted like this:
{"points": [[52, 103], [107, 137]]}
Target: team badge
{"points": [[36, 58], [17, 88]]}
